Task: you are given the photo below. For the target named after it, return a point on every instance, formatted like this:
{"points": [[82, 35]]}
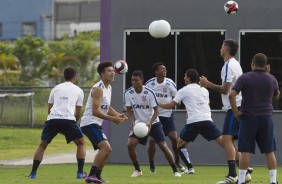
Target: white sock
{"points": [[272, 174], [242, 176]]}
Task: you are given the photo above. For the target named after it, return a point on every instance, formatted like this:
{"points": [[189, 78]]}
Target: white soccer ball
{"points": [[140, 129], [159, 29], [231, 7], [121, 67]]}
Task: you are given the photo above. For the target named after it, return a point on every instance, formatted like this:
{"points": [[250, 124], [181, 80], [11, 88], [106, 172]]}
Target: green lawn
{"points": [[120, 174], [22, 142]]}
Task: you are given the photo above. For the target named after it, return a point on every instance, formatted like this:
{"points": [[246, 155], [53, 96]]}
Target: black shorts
{"points": [[207, 129], [95, 134], [231, 125], [168, 124], [258, 129], [68, 128], [156, 132]]}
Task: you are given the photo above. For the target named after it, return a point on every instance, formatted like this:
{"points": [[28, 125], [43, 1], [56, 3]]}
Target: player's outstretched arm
{"points": [[169, 105], [223, 89]]}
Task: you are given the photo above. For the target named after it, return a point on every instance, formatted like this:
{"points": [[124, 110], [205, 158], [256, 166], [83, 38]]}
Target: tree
{"points": [[9, 69], [32, 53]]}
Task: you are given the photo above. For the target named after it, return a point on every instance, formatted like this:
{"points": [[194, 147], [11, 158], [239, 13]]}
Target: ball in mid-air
{"points": [[121, 67], [140, 129], [159, 29], [231, 7]]}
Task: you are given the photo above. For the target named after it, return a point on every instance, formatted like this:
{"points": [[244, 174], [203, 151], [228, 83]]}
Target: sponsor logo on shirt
{"points": [[104, 106], [161, 95], [138, 106]]}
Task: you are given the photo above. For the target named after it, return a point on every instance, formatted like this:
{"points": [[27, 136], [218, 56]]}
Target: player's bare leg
{"points": [[131, 146], [151, 154]]}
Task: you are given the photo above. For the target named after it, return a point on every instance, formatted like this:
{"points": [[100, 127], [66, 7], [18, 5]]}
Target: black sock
{"points": [[152, 165], [232, 168], [183, 153], [173, 166], [136, 166], [35, 165], [98, 174], [80, 164], [177, 160], [93, 171]]}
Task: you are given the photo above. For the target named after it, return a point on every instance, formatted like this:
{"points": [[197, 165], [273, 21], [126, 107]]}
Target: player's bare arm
{"points": [[77, 112], [169, 105], [223, 89], [233, 104], [49, 107], [97, 94], [276, 97], [130, 116], [113, 112]]}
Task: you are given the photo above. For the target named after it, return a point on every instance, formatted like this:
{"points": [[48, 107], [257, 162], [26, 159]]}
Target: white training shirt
{"points": [[88, 117], [164, 91], [230, 72], [65, 97], [196, 101], [142, 104]]}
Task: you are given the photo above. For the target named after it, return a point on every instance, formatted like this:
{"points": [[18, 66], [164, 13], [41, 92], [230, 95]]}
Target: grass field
{"points": [[21, 143], [120, 174]]}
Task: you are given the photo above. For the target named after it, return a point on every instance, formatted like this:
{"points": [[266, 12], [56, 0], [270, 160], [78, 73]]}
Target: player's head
{"points": [[229, 47], [159, 69], [259, 61], [101, 67], [69, 74], [106, 71], [191, 76], [137, 79]]}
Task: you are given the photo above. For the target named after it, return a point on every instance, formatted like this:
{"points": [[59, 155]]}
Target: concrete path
{"points": [[62, 158]]}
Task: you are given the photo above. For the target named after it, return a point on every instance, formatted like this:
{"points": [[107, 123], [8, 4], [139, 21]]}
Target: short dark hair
{"points": [[69, 73], [260, 60], [193, 75], [138, 73], [156, 65], [232, 46], [101, 67]]}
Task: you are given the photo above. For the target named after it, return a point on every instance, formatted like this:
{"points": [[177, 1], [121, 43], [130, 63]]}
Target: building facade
{"points": [[47, 19]]}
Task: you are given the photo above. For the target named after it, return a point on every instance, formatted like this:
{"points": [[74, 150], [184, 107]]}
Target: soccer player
{"points": [[98, 108], [64, 106], [165, 89], [230, 72], [199, 121], [142, 106], [258, 89]]}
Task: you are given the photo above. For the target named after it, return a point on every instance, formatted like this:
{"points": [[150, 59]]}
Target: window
{"points": [[29, 28], [180, 51], [85, 11], [267, 42]]}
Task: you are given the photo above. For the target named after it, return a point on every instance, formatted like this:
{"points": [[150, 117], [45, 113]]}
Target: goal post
{"points": [[16, 108]]}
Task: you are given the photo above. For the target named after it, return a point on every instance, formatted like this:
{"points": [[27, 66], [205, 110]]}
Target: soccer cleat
{"points": [[248, 178], [189, 171], [180, 167], [177, 174], [229, 179], [105, 181], [250, 170], [92, 179], [153, 170], [136, 174], [32, 175], [274, 183], [81, 175]]}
